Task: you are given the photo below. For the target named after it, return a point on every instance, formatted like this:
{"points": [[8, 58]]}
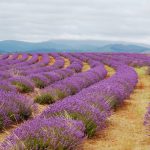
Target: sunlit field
{"points": [[74, 101]]}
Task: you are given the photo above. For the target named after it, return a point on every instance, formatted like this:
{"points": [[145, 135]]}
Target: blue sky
{"points": [[41, 20]]}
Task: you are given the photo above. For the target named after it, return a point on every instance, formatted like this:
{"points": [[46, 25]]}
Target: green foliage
{"points": [[22, 87], [59, 94], [11, 116], [45, 98], [113, 102], [25, 113], [73, 90], [90, 126], [38, 83], [1, 122], [40, 144], [36, 143]]}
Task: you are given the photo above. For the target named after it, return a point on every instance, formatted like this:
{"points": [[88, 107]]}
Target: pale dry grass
{"points": [[85, 67], [10, 56], [125, 129], [29, 57], [39, 58], [19, 56], [67, 62], [110, 71], [52, 61], [6, 132]]}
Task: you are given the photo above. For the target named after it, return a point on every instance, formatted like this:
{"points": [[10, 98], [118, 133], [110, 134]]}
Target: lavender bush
{"points": [[71, 85], [23, 84], [14, 108], [54, 133]]}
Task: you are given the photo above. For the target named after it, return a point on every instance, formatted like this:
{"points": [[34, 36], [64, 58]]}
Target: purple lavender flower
{"points": [[13, 108], [77, 110], [53, 133], [39, 80], [23, 84], [6, 86], [73, 84]]}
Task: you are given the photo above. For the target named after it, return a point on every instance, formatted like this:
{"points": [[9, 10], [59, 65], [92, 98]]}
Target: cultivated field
{"points": [[67, 101]]}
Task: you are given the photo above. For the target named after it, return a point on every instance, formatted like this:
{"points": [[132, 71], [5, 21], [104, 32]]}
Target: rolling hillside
{"points": [[71, 46]]}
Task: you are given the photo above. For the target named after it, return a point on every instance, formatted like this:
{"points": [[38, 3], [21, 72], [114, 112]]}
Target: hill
{"points": [[70, 46]]}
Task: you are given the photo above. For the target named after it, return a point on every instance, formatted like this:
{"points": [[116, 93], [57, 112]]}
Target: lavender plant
{"points": [[23, 84], [54, 133], [14, 108]]}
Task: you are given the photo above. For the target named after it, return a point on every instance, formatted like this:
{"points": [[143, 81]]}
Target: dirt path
{"points": [[125, 130], [85, 67], [67, 62], [29, 57], [52, 61], [110, 71], [19, 56]]}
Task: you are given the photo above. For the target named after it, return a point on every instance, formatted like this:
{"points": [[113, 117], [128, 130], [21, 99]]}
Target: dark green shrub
{"points": [[36, 143], [23, 88], [59, 94], [90, 126], [1, 122], [38, 83], [45, 98]]}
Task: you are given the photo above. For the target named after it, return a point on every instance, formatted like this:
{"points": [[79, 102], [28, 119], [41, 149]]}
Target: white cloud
{"points": [[39, 20]]}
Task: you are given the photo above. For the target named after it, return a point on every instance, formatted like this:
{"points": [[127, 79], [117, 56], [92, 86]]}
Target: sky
{"points": [[42, 20]]}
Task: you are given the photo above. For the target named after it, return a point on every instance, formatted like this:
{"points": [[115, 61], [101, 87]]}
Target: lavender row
{"points": [[86, 59], [89, 108], [40, 80], [40, 66], [128, 59], [33, 63], [4, 56], [71, 85], [24, 68], [46, 134], [43, 79], [7, 63], [14, 73]]}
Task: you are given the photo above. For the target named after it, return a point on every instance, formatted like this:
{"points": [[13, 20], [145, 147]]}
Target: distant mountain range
{"points": [[10, 46]]}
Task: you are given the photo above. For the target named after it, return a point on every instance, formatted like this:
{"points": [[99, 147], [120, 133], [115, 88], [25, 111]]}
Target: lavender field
{"points": [[69, 101]]}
